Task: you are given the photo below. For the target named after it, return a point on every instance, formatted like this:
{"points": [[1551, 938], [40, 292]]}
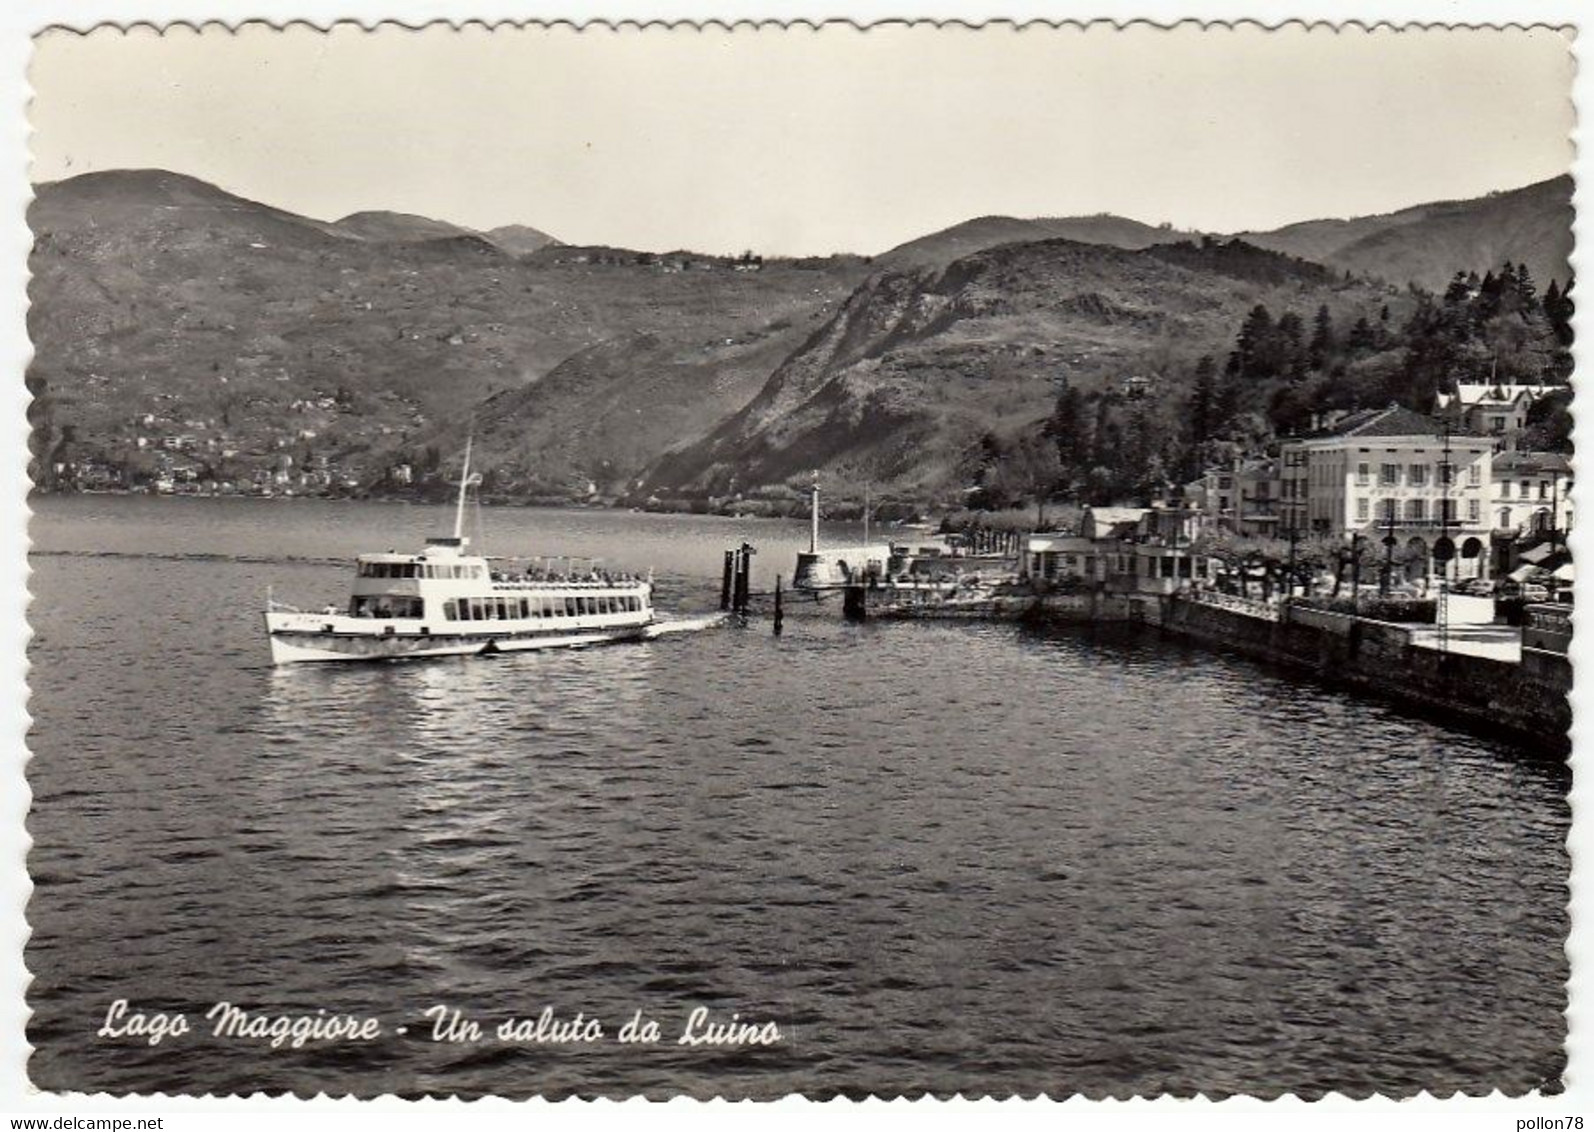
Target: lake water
{"points": [[942, 857]]}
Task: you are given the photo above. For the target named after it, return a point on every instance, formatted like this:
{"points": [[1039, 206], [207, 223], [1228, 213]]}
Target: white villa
{"points": [[1391, 473]]}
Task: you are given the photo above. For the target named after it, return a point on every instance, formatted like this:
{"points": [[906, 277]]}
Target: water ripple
{"points": [[944, 857]]}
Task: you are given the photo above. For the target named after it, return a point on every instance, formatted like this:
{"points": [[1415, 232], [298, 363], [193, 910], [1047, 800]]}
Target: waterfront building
{"points": [[1531, 493], [1121, 550], [1498, 410], [1531, 505], [1241, 499], [1392, 473], [1060, 558], [1158, 555]]}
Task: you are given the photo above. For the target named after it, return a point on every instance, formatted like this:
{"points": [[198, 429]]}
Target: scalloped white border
{"points": [[21, 19]]}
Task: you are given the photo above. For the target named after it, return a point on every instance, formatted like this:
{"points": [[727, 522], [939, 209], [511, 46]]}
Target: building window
{"points": [[1364, 475], [1473, 510], [1447, 474], [1416, 509], [1505, 489], [1544, 490], [1474, 474], [1388, 509], [1361, 508], [1417, 475], [1389, 475]]}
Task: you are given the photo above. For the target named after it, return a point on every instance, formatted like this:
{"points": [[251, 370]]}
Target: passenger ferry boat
{"points": [[445, 601]]}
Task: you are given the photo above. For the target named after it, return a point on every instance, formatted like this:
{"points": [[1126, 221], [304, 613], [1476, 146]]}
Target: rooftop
{"points": [[1116, 514], [1532, 462], [1489, 393], [1394, 420]]}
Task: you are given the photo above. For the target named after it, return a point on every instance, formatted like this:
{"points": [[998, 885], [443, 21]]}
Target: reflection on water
{"points": [[947, 857]]}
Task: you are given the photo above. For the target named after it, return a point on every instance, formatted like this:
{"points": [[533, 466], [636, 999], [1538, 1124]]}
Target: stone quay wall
{"points": [[1526, 701]]}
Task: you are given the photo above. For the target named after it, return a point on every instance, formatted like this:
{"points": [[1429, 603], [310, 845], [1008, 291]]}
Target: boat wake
{"points": [[668, 626]]}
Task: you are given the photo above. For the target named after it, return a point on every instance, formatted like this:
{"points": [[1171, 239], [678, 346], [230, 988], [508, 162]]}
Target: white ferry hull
{"points": [[442, 601], [293, 643]]}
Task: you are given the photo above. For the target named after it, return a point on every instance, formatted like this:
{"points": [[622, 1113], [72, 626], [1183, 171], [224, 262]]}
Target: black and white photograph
{"points": [[805, 560]]}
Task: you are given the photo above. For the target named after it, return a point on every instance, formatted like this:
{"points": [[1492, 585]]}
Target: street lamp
{"points": [[1289, 577], [1356, 540], [1444, 547], [1389, 553]]}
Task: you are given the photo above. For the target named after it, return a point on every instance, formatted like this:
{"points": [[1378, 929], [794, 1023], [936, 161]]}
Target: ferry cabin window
{"points": [[389, 570], [384, 606], [493, 609]]}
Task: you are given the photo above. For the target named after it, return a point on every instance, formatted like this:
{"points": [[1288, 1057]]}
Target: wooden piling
{"points": [[780, 617], [725, 580]]}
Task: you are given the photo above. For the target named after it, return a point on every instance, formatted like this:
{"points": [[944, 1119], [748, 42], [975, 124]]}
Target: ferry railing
{"points": [[569, 583]]}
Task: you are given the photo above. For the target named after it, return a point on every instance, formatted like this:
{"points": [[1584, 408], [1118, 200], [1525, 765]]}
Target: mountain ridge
{"points": [[151, 284], [899, 387]]}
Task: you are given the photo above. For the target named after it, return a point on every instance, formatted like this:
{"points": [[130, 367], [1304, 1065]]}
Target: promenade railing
{"points": [[1266, 610]]}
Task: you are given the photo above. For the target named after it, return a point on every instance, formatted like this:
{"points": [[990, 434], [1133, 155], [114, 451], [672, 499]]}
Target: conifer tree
{"points": [[1251, 347], [1289, 347], [1203, 411], [1322, 344]]}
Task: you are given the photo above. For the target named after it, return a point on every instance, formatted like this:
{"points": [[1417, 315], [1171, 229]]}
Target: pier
{"points": [[1477, 674]]}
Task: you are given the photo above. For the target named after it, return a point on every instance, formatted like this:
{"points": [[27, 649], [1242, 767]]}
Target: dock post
{"points": [[742, 585], [854, 600], [779, 615], [725, 580]]}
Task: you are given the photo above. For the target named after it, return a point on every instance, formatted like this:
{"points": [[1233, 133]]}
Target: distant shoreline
{"points": [[35, 495], [763, 510]]}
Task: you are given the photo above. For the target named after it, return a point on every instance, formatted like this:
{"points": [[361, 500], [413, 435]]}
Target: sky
{"points": [[803, 141]]}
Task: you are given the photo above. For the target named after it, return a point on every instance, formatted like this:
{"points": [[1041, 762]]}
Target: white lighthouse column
{"points": [[813, 530]]}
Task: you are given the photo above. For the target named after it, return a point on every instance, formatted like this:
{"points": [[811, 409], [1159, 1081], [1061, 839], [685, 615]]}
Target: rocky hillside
{"points": [[899, 387]]}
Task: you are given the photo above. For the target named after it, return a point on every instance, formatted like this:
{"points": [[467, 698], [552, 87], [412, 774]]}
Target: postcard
{"points": [[807, 559]]}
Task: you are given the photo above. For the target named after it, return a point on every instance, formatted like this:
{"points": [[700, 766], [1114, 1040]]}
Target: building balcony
{"points": [[1437, 526]]}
